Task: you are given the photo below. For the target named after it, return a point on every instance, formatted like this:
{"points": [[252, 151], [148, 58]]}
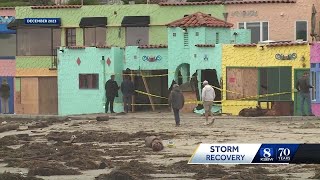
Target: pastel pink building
{"points": [[315, 77], [277, 20], [7, 52]]}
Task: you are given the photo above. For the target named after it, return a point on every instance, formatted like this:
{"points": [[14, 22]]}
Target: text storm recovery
{"points": [[224, 153]]}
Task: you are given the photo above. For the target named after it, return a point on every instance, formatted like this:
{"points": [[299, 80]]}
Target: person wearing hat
{"points": [[176, 101], [208, 96], [5, 94]]}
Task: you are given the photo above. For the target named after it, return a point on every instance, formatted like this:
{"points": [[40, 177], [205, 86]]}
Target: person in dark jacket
{"points": [[127, 89], [111, 88], [5, 94], [303, 86], [176, 101]]}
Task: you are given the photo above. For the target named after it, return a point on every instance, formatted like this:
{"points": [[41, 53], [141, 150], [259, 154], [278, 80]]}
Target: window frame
{"points": [[15, 47], [75, 37], [261, 28], [226, 84], [266, 99], [86, 75], [51, 42], [316, 70], [95, 35], [295, 29], [127, 36]]}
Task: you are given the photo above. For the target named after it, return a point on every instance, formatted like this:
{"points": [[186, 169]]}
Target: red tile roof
{"points": [[286, 44], [191, 3], [153, 46], [205, 45], [56, 7], [104, 47], [227, 2], [259, 1], [199, 19], [7, 8], [245, 45], [76, 47]]}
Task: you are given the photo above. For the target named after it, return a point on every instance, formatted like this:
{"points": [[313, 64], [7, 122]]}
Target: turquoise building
{"points": [[194, 46]]}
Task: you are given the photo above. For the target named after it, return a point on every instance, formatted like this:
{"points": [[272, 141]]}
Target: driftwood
{"points": [[154, 142], [104, 118]]}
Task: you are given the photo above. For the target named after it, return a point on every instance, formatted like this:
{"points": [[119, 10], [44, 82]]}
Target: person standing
{"points": [[303, 86], [176, 101], [5, 94], [208, 96], [127, 89], [111, 88]]}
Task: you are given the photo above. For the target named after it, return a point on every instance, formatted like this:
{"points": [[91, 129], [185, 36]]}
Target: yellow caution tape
{"points": [[148, 94]]}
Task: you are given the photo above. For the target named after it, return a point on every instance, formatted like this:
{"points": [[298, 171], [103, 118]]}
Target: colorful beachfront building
{"points": [[101, 25], [104, 26], [279, 20], [194, 46], [314, 77], [7, 53], [264, 74]]}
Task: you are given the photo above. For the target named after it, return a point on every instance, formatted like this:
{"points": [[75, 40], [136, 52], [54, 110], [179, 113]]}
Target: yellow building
{"points": [[263, 74]]}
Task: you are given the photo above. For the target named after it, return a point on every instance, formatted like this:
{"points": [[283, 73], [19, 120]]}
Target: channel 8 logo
{"points": [[283, 154], [266, 154]]}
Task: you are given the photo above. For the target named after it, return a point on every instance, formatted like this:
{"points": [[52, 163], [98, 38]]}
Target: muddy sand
{"points": [[114, 149]]}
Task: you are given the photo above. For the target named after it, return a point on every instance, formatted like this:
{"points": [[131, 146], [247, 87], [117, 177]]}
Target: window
{"points": [[275, 80], [217, 38], [259, 30], [185, 39], [301, 30], [29, 43], [242, 81], [88, 81], [314, 78], [71, 37], [8, 45], [95, 36], [137, 36]]}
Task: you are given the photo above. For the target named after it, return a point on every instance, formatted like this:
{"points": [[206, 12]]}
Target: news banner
{"points": [[256, 154]]}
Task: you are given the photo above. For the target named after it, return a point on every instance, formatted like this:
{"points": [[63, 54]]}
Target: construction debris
{"points": [[154, 142], [252, 112]]}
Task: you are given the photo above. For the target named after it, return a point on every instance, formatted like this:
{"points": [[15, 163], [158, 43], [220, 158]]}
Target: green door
{"points": [[298, 74]]}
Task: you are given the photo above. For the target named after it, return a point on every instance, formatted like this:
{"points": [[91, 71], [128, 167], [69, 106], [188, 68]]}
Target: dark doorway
{"points": [[211, 76], [157, 85]]}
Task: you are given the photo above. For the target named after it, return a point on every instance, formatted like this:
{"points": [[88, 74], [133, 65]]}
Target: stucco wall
{"points": [[158, 17], [135, 58], [7, 12], [255, 57], [281, 27], [315, 53], [315, 109], [7, 67], [72, 100], [34, 66]]}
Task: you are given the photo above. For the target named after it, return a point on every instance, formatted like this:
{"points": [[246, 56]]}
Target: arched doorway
{"points": [[182, 73]]}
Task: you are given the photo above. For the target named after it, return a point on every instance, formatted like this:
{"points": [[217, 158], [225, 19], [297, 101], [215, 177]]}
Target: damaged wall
{"points": [[256, 56], [72, 99]]}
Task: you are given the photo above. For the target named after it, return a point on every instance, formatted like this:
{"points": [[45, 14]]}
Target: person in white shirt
{"points": [[208, 96]]}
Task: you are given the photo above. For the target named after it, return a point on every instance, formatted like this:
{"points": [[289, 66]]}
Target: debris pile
{"points": [[252, 112], [154, 142]]}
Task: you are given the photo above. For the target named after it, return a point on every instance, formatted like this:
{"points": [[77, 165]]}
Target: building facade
{"points": [[263, 74], [194, 47], [283, 20], [7, 53], [314, 77]]}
